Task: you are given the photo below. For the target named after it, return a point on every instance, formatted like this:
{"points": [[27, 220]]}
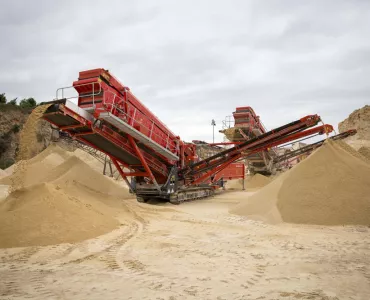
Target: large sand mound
{"points": [[257, 181], [251, 182], [37, 169], [90, 160], [234, 184], [57, 165], [98, 166], [45, 214], [75, 169], [63, 200], [330, 187]]}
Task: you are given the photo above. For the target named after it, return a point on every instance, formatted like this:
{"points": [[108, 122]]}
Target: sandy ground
{"points": [[196, 250]]}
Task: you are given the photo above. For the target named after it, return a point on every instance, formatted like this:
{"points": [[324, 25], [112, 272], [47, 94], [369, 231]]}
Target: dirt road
{"points": [[195, 251]]}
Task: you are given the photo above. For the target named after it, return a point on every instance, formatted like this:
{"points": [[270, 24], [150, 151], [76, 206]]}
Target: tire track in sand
{"points": [[108, 255]]}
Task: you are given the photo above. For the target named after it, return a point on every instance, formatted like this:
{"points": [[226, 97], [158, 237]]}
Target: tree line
{"points": [[24, 103]]}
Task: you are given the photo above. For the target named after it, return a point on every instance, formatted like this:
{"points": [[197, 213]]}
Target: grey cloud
{"points": [[193, 61], [355, 59]]}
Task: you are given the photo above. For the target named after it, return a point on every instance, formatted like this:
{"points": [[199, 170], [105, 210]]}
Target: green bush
{"points": [[25, 105], [28, 103], [2, 98], [13, 102]]}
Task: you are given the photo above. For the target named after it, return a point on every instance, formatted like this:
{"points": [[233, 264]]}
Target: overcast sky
{"points": [[194, 61]]}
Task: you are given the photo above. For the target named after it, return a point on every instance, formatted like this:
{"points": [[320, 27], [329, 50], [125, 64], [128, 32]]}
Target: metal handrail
{"points": [[164, 140], [110, 107], [79, 96], [114, 106]]}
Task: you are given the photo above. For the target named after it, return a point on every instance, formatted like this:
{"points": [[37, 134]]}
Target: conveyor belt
{"points": [[54, 116], [117, 122], [313, 146], [266, 138]]}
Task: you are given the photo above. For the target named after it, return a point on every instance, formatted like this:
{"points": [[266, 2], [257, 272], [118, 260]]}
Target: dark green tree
{"points": [[13, 102], [28, 103], [2, 98]]}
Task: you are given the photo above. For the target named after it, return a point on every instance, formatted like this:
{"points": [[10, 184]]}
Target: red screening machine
{"points": [[107, 116]]}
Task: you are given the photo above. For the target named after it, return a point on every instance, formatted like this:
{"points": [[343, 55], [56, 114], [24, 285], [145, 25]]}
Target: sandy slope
{"points": [[330, 187], [250, 183], [195, 251], [62, 200], [45, 214]]}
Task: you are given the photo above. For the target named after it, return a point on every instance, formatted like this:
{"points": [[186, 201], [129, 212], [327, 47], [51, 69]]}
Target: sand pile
{"points": [[45, 214], [56, 165], [55, 197], [62, 200], [251, 182], [37, 169], [75, 170], [90, 160], [234, 184], [330, 187], [98, 166], [256, 181]]}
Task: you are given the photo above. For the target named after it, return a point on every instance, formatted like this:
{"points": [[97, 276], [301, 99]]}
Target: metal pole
{"points": [[213, 123], [105, 164]]}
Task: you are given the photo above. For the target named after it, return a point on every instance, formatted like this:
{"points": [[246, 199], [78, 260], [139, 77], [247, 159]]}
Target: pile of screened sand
{"points": [[330, 187], [256, 181], [98, 166], [89, 159], [75, 170], [58, 166], [37, 168], [251, 182], [234, 184], [45, 214], [62, 200]]}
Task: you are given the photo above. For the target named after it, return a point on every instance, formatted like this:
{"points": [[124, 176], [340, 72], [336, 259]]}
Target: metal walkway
{"points": [[117, 122]]}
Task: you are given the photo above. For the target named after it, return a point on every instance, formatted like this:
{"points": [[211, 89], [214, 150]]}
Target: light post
{"points": [[213, 123]]}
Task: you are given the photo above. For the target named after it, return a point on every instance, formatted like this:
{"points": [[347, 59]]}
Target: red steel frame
{"points": [[253, 122], [130, 145], [232, 171], [222, 164], [308, 121], [117, 99]]}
